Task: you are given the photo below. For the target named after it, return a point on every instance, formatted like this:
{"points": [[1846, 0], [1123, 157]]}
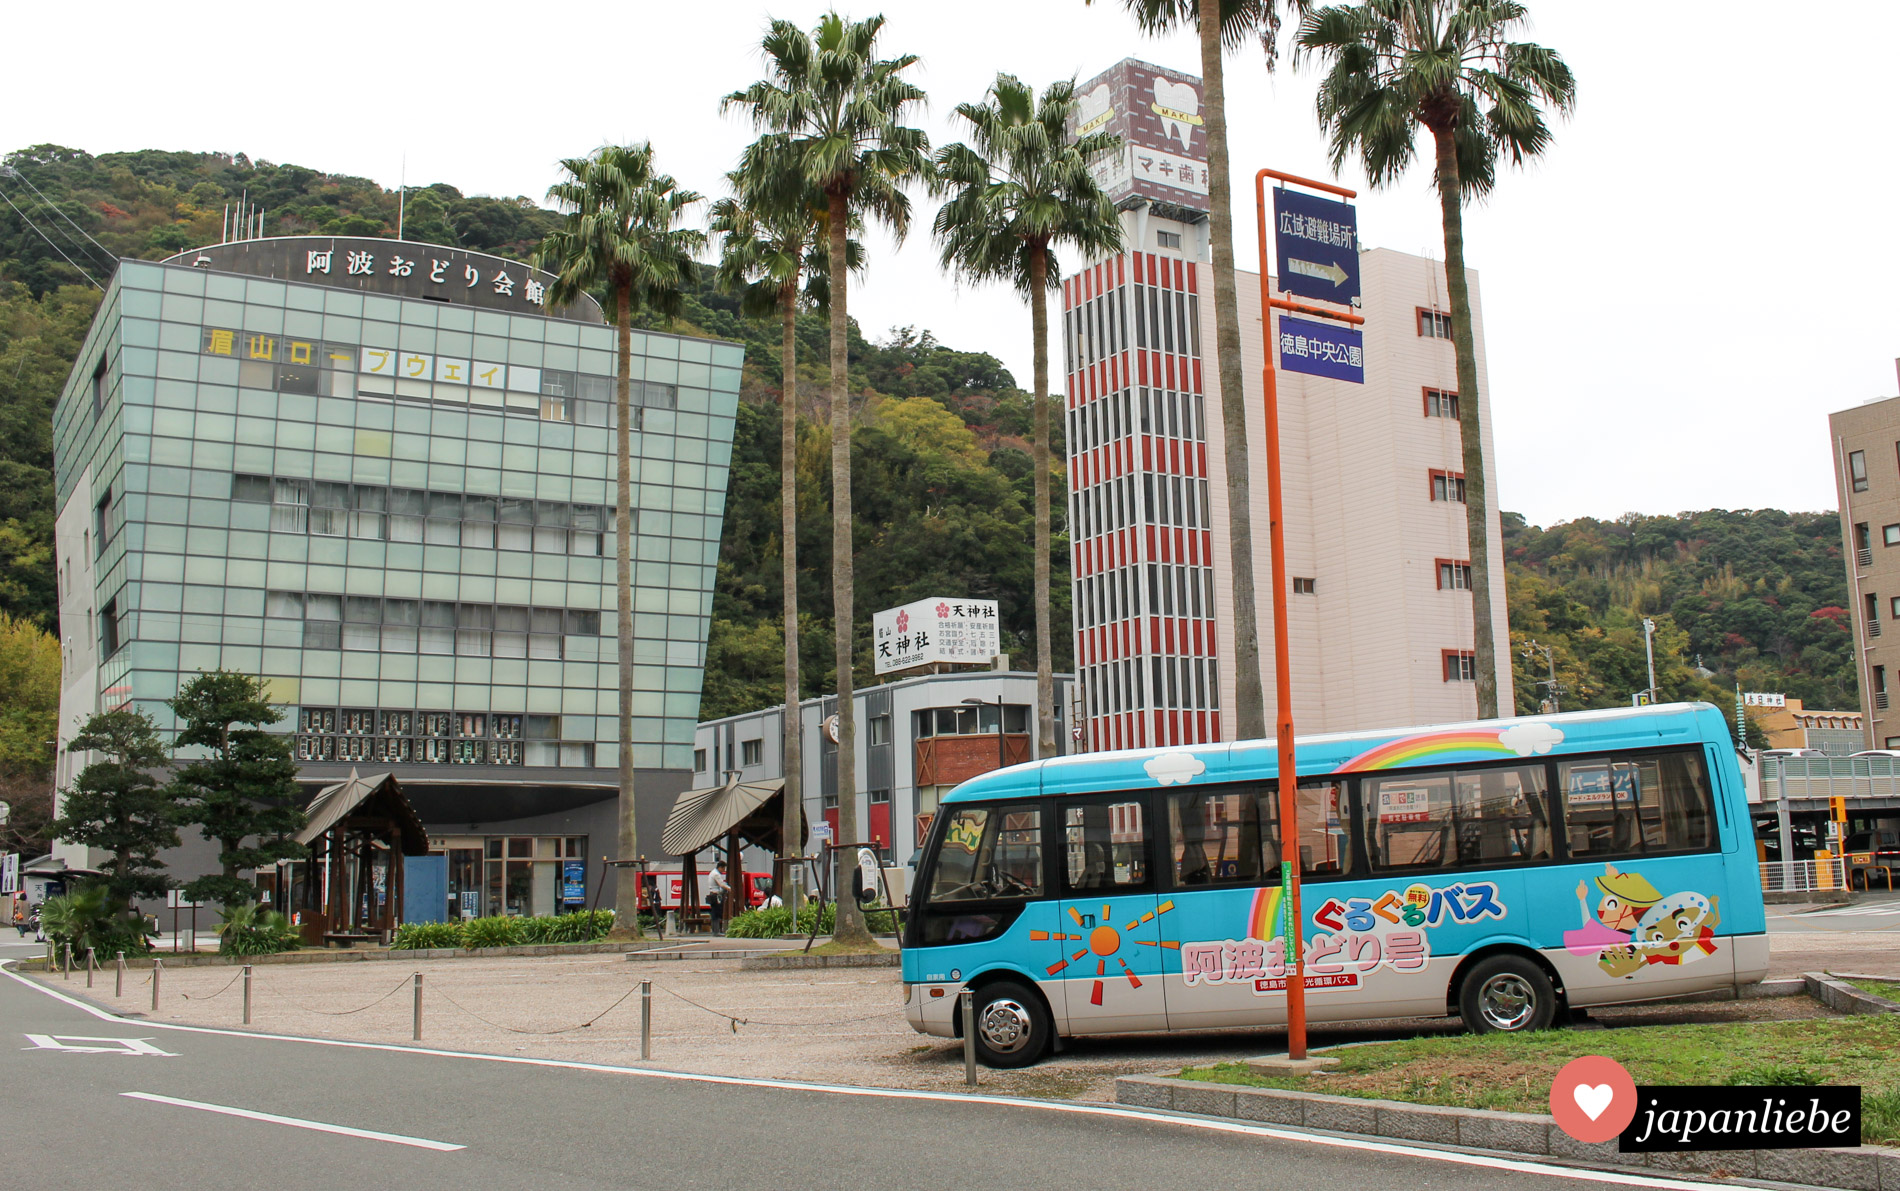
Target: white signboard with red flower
{"points": [[940, 629]]}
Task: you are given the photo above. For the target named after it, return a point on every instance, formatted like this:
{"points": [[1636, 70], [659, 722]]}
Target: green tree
{"points": [[834, 112], [773, 243], [118, 805], [1238, 20], [1018, 191], [1392, 65], [242, 792], [29, 711], [621, 235]]}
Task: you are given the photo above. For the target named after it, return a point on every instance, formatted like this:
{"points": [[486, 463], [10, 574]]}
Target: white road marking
{"points": [[119, 1046], [1100, 1110], [421, 1143], [1876, 911]]}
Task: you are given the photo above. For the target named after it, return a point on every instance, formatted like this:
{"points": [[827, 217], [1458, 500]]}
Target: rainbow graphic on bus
{"points": [[1458, 745], [1263, 921]]}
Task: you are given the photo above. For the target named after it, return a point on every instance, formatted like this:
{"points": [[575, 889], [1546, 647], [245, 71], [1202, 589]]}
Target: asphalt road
{"points": [[80, 1105], [1877, 911]]}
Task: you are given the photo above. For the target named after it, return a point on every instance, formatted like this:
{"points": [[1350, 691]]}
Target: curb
{"points": [[1870, 1168], [1843, 997], [773, 963], [350, 955]]}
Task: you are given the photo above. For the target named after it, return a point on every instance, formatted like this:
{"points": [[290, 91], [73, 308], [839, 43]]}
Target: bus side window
{"points": [[1105, 844], [1472, 819], [1630, 806], [1215, 837], [1325, 836]]}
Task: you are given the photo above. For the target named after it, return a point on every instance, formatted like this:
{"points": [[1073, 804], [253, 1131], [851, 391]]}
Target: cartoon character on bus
{"points": [[1634, 926]]}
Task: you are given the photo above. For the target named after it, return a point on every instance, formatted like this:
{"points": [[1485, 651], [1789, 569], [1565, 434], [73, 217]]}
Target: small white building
{"points": [[917, 738]]}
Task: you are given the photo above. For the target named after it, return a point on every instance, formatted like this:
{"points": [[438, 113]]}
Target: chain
{"points": [[750, 1021], [344, 1012], [220, 992], [512, 1030]]}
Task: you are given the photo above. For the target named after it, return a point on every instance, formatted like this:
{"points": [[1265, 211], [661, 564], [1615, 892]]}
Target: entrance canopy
{"points": [[378, 798], [751, 810]]}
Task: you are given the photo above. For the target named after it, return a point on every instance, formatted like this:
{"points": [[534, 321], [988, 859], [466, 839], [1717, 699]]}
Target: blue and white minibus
{"points": [[1508, 871]]}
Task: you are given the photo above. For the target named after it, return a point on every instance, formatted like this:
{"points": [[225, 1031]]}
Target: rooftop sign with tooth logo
{"points": [[1157, 113]]}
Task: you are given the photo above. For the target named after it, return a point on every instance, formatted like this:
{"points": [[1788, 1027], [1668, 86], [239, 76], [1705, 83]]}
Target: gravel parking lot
{"points": [[831, 1026]]}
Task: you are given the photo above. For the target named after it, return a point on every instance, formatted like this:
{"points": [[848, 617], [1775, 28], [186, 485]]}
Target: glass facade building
{"points": [[397, 507]]}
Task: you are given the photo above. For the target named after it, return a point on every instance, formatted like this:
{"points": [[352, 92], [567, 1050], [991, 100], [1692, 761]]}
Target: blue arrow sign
{"points": [[1322, 349], [1316, 246]]}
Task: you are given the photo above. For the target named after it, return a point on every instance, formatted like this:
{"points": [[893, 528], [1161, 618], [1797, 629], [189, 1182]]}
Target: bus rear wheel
{"points": [[1012, 1027], [1507, 994]]}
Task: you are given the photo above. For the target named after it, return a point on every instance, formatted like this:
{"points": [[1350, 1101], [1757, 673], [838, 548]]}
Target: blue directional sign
{"points": [[1316, 246], [1322, 349]]}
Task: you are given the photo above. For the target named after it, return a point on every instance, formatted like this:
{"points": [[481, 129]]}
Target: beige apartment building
{"points": [[1866, 441], [1379, 568]]}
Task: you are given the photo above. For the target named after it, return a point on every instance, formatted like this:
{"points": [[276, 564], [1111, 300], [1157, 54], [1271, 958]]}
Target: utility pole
{"points": [[1549, 684], [1649, 651]]}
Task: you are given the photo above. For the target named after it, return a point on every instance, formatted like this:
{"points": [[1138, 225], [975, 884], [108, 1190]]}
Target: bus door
{"points": [[1110, 926]]}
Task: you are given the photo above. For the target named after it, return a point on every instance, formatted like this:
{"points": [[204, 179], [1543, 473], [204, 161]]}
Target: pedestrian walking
{"points": [[19, 919], [718, 895]]}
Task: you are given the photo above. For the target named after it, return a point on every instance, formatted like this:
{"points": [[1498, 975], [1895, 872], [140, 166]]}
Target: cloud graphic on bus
{"points": [[1170, 768], [1526, 739]]}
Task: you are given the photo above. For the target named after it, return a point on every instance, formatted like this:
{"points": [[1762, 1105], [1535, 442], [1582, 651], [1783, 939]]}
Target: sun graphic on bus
{"points": [[1105, 943]]}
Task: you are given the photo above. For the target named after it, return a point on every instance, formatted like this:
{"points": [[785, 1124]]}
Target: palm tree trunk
{"points": [[1477, 498], [792, 838], [850, 928], [1250, 700], [626, 885], [1045, 644]]}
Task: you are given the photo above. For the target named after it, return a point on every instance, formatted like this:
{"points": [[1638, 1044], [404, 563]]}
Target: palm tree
{"points": [[1239, 19], [1018, 191], [837, 111], [774, 241], [1393, 65], [620, 235]]}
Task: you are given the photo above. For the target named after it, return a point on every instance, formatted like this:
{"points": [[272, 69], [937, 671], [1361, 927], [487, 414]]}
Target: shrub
{"points": [[1776, 1075], [249, 929], [582, 926], [776, 923], [427, 936]]}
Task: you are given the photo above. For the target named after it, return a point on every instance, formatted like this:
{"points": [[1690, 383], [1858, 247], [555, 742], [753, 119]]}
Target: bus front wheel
{"points": [[1507, 994], [1012, 1027]]}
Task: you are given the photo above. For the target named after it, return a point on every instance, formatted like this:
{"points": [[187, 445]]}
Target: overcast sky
{"points": [[1641, 284]]}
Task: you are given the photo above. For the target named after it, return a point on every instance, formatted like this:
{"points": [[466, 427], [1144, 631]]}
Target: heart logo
{"points": [[1593, 1099]]}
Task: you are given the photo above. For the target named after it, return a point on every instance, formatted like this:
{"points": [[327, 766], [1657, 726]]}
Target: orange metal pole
{"points": [[1282, 674]]}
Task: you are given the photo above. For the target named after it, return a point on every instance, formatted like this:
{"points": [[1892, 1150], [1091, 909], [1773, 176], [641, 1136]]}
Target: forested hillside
{"points": [[944, 486]]}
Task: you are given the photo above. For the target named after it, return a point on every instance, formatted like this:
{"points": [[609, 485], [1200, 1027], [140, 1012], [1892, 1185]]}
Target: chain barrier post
{"points": [[646, 1019], [968, 999], [416, 1033], [247, 994], [158, 969], [67, 966], [92, 964], [118, 985]]}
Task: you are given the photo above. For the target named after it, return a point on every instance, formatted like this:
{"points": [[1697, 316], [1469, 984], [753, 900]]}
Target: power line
{"points": [[56, 248], [48, 203]]}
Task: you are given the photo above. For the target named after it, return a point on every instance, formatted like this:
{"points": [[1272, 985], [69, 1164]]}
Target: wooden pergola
{"points": [[358, 830]]}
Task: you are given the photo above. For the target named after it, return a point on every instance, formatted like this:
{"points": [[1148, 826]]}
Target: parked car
{"points": [[1876, 753]]}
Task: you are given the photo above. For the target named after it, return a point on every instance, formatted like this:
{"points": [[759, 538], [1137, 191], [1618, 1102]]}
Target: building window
{"points": [[109, 629], [1303, 587], [751, 752], [1440, 404], [1880, 688], [1167, 239], [1433, 324], [1857, 470], [699, 760], [1453, 575], [1448, 485], [878, 728], [1461, 665], [1873, 614], [99, 389], [831, 801]]}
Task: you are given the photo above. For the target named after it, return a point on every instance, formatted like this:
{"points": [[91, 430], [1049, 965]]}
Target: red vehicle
{"points": [[671, 886]]}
